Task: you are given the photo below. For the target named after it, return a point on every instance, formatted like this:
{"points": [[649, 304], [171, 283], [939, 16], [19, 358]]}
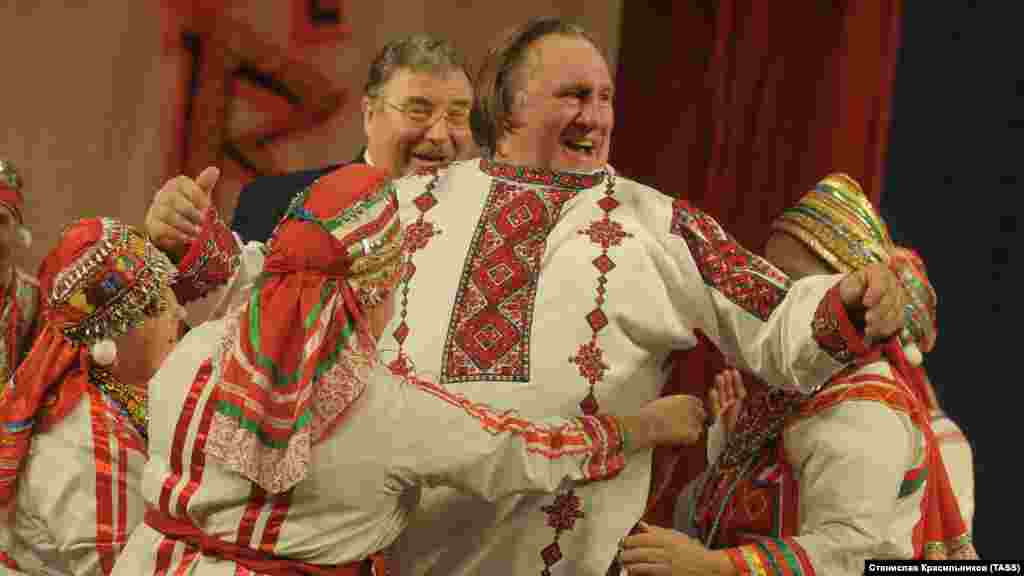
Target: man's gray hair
{"points": [[499, 76], [418, 53]]}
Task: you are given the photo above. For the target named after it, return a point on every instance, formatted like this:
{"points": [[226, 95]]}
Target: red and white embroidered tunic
{"points": [[366, 476], [79, 498], [562, 294]]}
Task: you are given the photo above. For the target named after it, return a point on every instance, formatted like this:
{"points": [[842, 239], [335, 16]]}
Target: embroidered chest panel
{"points": [[489, 331]]}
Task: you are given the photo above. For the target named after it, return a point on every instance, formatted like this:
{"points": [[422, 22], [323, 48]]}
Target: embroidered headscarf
{"points": [[298, 352], [12, 197], [837, 222], [103, 279]]}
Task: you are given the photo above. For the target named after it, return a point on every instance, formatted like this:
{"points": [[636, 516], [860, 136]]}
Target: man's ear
{"points": [[519, 102], [25, 236], [368, 112]]}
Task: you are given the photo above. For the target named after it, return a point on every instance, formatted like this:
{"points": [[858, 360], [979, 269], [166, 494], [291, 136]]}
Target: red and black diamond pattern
{"points": [[744, 278], [489, 331]]}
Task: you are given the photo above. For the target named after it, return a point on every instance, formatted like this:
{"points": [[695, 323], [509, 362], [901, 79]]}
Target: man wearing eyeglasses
{"points": [[415, 114]]}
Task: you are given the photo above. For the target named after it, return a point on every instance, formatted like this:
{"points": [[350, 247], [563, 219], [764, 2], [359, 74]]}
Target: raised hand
{"points": [[876, 292], [668, 421], [175, 216], [726, 396]]}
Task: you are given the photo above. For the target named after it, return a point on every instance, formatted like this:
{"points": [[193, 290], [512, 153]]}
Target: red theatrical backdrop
{"points": [[223, 62], [741, 108]]}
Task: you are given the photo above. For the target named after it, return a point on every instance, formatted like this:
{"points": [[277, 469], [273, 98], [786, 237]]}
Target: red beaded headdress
{"points": [[103, 279]]}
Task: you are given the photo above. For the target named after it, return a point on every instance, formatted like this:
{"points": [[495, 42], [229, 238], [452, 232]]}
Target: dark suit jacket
{"points": [[263, 202]]}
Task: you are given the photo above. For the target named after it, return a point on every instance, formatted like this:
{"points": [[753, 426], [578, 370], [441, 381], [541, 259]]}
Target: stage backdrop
{"points": [[101, 101], [81, 107], [741, 108]]}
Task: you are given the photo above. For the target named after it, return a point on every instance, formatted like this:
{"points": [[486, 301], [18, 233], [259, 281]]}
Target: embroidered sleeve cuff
{"points": [[210, 261], [771, 556], [834, 332], [607, 456], [8, 561]]}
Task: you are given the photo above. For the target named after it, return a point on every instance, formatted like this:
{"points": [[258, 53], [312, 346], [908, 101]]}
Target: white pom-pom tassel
{"points": [[104, 352], [25, 235], [910, 349], [913, 354]]}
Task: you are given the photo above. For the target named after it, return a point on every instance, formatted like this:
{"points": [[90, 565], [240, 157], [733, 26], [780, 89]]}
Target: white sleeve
{"points": [[494, 453], [57, 519], [793, 335]]}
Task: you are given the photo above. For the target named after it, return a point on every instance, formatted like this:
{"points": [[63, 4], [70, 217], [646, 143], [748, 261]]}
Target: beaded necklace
{"points": [[760, 423], [127, 400]]}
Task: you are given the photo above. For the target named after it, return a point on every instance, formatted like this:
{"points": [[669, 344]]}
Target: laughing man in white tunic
{"points": [[537, 278]]}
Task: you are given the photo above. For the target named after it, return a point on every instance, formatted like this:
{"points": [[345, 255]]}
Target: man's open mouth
{"points": [[430, 158], [582, 146]]}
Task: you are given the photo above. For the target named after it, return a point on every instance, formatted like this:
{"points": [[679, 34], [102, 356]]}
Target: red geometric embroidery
{"points": [[608, 203], [541, 177], [590, 359], [409, 270], [500, 277], [604, 263], [401, 332], [827, 328], [589, 404], [743, 278], [417, 236], [425, 201], [562, 515], [551, 554], [7, 561], [564, 511], [597, 319], [210, 262], [488, 336], [605, 233]]}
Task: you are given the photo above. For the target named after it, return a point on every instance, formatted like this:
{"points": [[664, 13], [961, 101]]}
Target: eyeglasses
{"points": [[426, 116]]}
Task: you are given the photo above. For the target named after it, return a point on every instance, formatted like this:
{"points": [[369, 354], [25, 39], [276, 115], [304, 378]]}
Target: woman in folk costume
{"points": [[857, 219], [285, 447], [73, 417], [819, 484], [19, 292]]}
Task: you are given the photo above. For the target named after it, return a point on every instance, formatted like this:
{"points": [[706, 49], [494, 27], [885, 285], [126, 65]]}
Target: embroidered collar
{"points": [[526, 175]]}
